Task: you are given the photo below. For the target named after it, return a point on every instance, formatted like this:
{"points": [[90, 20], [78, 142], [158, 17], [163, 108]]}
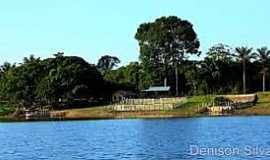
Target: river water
{"points": [[136, 139]]}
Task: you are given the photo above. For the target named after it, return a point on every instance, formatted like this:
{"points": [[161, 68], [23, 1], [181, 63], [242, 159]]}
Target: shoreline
{"points": [[192, 108], [169, 116]]}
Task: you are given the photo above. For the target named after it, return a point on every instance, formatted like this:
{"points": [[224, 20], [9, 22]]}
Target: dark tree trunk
{"points": [[176, 81], [244, 77], [263, 81], [166, 73]]}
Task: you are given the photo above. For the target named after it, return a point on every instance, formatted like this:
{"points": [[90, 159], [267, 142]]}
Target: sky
{"points": [[92, 28]]}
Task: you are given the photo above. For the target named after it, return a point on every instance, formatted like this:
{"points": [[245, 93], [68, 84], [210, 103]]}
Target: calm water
{"points": [[240, 137]]}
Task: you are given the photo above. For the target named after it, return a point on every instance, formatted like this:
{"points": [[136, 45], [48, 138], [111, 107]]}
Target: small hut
{"points": [[158, 91]]}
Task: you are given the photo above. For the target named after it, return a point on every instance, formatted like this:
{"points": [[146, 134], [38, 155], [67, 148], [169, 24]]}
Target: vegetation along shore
{"points": [[165, 82], [192, 107]]}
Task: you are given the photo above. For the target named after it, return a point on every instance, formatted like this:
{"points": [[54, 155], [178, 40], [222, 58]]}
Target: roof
{"points": [[158, 89]]}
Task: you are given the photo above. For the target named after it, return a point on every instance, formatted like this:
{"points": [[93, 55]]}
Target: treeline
{"points": [[223, 70], [53, 81], [165, 47]]}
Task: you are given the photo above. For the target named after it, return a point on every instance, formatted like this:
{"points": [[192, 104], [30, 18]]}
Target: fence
{"points": [[134, 105], [44, 114]]}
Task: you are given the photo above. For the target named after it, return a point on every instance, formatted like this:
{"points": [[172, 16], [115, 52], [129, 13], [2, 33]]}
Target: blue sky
{"points": [[92, 28]]}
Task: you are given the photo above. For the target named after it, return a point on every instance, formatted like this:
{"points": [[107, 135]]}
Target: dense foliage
{"points": [[50, 81], [221, 71], [107, 62], [165, 46]]}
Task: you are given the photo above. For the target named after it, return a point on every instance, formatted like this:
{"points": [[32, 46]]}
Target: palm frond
{"points": [[244, 53]]}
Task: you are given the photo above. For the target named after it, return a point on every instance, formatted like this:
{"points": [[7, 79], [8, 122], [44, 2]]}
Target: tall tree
{"points": [[164, 43], [263, 54], [220, 53], [243, 55], [216, 67], [107, 63], [211, 71]]}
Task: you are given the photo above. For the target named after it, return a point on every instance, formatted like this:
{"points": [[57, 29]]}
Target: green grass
{"points": [[196, 101], [262, 107], [263, 97], [193, 106]]}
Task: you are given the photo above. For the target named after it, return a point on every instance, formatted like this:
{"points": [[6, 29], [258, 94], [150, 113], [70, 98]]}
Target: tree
{"points": [[195, 81], [30, 59], [107, 62], [50, 81], [129, 75], [211, 72], [243, 55], [68, 77], [19, 83], [217, 68], [263, 54], [164, 43], [220, 53], [5, 67]]}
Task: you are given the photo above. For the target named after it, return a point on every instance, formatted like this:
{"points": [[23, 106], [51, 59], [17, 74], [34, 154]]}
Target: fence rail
{"points": [[128, 105]]}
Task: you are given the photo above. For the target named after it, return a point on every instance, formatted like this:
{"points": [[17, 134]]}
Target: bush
{"points": [[5, 109]]}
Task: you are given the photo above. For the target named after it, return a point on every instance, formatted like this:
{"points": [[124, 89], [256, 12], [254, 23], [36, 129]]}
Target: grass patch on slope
{"points": [[91, 112], [193, 105], [262, 106]]}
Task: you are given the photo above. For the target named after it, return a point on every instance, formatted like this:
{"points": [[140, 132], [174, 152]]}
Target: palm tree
{"points": [[263, 55], [212, 71], [243, 55]]}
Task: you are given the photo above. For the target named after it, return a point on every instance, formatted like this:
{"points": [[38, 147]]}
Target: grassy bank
{"points": [[262, 106], [191, 108]]}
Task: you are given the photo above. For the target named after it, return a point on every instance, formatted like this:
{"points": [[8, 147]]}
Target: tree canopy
{"points": [[165, 46], [51, 80], [164, 43], [107, 62]]}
